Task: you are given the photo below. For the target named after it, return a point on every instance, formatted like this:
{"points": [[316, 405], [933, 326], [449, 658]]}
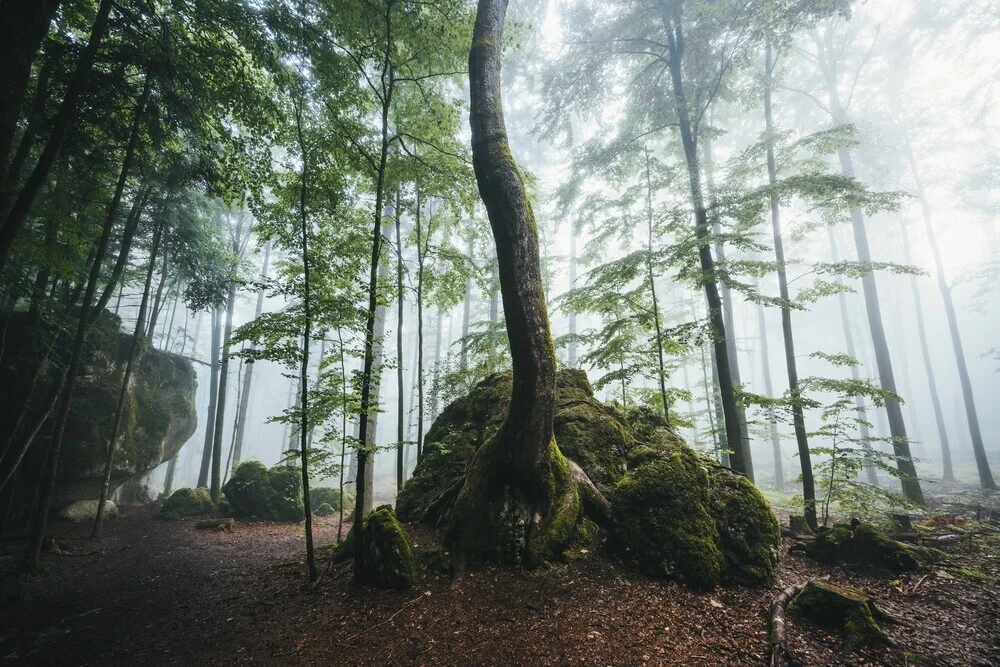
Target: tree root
{"points": [[595, 505]]}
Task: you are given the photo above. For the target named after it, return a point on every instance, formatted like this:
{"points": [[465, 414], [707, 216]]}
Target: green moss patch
{"points": [[847, 609], [863, 544], [184, 503], [749, 533], [389, 559]]}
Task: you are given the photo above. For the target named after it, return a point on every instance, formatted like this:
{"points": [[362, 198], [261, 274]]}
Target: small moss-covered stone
{"points": [[86, 510], [864, 544], [749, 534], [222, 507], [847, 609], [798, 524], [324, 510], [389, 559], [254, 492], [331, 496], [184, 503], [661, 519]]}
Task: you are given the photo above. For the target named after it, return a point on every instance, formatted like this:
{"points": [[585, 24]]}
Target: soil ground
{"points": [[155, 592]]}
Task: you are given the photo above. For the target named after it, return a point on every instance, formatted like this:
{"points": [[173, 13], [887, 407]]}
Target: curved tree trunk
{"points": [[519, 481]]}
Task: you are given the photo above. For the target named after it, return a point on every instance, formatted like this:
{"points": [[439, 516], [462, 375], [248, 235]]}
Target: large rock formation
{"points": [[159, 414], [672, 512]]}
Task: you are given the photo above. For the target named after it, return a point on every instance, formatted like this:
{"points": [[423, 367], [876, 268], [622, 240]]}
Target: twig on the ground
{"points": [[377, 625], [778, 639]]}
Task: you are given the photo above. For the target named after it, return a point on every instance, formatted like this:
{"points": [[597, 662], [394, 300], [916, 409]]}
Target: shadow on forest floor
{"points": [[154, 592]]}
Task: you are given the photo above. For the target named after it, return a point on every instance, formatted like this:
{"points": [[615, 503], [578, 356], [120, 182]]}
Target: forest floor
{"points": [[155, 592]]}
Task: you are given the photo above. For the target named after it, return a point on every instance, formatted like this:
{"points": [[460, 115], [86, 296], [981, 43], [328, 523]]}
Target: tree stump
{"points": [[798, 525], [851, 611], [903, 522]]}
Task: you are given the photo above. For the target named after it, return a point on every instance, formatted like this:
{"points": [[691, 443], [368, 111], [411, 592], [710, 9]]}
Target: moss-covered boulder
{"points": [[587, 432], [159, 414], [330, 496], [661, 519], [86, 510], [254, 492], [680, 516], [184, 503], [861, 543], [325, 509], [389, 559], [749, 533], [846, 609]]}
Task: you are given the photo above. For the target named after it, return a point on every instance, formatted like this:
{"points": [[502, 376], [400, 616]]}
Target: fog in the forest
{"points": [[938, 88]]}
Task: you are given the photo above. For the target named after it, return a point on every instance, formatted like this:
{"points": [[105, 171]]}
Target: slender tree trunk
{"points": [[400, 303], [571, 348], [304, 430], [244, 405], [740, 457], [982, 463], [897, 427], [466, 314], [154, 312], [168, 483], [662, 375], [220, 416], [765, 362], [378, 357], [18, 214], [343, 430], [134, 356], [213, 398], [421, 253], [791, 365], [387, 83], [719, 421]]}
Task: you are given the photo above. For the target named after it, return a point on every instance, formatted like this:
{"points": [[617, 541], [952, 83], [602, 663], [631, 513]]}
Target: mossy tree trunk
{"points": [[519, 479]]}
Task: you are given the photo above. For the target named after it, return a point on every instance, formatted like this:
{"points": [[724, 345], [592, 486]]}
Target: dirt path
{"points": [[155, 592]]}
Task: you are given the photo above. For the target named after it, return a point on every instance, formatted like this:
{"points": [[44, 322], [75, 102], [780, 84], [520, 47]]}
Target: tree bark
{"points": [[982, 463], [220, 422], [213, 397], [466, 312], [421, 253], [571, 348], [400, 303], [662, 375], [517, 470]]}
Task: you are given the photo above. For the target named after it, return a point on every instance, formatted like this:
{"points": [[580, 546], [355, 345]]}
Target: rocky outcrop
{"points": [[159, 414], [672, 513]]}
